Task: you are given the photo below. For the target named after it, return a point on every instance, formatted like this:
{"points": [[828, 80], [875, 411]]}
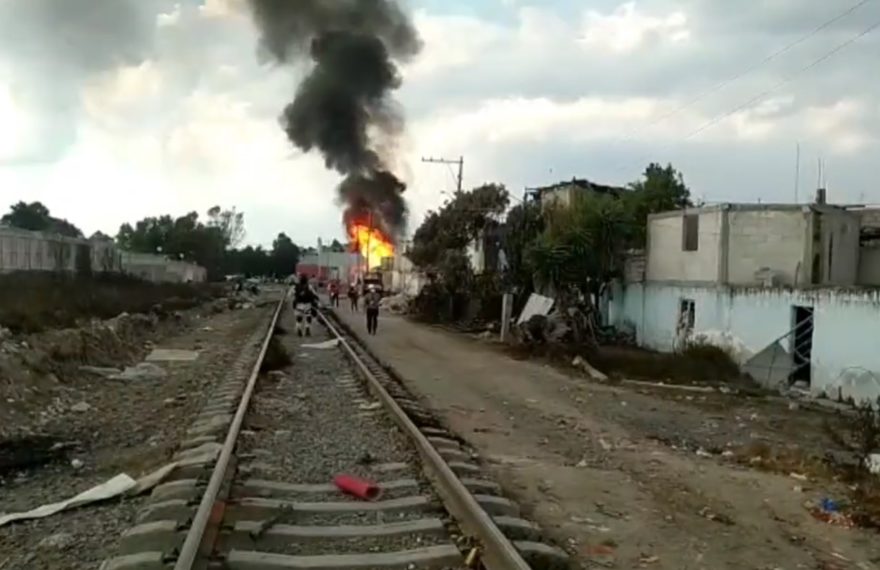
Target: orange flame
{"points": [[372, 244]]}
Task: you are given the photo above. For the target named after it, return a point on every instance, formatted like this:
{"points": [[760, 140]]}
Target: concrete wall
{"points": [[845, 359], [869, 265], [667, 260], [840, 246], [159, 269], [22, 250], [767, 238]]}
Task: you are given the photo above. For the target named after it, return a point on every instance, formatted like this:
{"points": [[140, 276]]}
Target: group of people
{"points": [[305, 302]]}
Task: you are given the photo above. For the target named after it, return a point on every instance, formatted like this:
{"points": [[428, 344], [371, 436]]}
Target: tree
{"points": [[338, 246], [36, 217], [660, 190], [285, 256], [523, 225], [230, 223], [457, 223]]}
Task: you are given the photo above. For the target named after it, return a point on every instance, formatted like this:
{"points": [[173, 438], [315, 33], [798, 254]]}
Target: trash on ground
{"points": [[798, 476], [172, 355], [323, 345], [370, 407], [709, 514], [536, 305], [357, 487], [142, 371], [119, 485]]}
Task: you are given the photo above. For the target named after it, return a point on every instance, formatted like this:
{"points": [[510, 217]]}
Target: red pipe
{"points": [[360, 488]]}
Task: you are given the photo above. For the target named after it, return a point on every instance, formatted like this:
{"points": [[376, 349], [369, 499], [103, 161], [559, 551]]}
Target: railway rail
{"points": [[254, 486]]}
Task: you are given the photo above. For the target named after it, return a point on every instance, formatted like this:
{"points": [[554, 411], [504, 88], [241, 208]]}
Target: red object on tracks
{"points": [[360, 488]]}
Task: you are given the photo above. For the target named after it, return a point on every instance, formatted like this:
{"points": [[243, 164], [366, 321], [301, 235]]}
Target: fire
{"points": [[372, 244]]}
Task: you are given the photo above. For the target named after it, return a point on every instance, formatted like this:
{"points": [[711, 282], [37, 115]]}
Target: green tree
{"points": [[523, 225], [456, 224], [285, 256], [661, 189], [230, 223], [36, 217]]}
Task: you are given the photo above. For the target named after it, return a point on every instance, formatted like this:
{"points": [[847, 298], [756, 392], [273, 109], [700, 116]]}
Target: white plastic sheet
{"points": [[119, 485]]}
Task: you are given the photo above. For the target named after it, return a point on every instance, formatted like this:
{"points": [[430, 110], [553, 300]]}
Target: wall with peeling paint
{"points": [[846, 338]]}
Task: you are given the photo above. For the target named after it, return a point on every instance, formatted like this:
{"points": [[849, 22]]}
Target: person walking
{"points": [[305, 301], [371, 303], [353, 296], [334, 293]]}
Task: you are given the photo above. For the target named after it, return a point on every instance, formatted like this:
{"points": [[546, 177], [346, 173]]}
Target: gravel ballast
{"points": [[317, 420]]}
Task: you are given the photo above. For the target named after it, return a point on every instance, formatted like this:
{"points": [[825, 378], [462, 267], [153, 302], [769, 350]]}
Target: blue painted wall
{"points": [[846, 338]]}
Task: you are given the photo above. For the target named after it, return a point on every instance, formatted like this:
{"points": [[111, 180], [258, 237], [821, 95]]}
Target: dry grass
{"points": [[32, 302]]}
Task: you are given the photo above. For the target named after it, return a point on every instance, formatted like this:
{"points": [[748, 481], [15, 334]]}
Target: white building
{"points": [[789, 288]]}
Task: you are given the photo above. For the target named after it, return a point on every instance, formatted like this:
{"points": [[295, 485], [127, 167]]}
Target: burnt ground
{"points": [[631, 476]]}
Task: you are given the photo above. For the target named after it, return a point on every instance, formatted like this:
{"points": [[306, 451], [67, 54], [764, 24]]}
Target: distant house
{"points": [[564, 193]]}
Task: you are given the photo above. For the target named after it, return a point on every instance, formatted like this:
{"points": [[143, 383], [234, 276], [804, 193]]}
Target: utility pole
{"points": [[459, 162]]}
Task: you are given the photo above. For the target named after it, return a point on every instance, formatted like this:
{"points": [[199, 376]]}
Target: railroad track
{"points": [[254, 489]]}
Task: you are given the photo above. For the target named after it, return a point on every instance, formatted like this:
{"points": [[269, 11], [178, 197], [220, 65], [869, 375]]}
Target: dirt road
{"points": [[625, 477]]}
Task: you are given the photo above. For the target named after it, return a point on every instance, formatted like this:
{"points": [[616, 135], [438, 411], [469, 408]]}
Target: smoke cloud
{"points": [[343, 107]]}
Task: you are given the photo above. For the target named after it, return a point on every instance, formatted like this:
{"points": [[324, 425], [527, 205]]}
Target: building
{"points": [[791, 290], [23, 250], [326, 265], [485, 252], [564, 193]]}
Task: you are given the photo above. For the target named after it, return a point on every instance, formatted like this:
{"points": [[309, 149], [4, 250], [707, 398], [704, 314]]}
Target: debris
{"points": [[61, 540], [798, 476], [119, 485], [645, 560], [708, 514], [703, 453], [140, 372], [77, 463], [581, 363], [366, 459], [100, 370], [80, 407], [605, 445], [471, 560], [357, 487], [370, 407], [829, 505], [873, 462], [582, 463], [323, 345], [536, 305], [727, 453], [172, 355]]}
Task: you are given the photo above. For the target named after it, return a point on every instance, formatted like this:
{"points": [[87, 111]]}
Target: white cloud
{"points": [[628, 29]]}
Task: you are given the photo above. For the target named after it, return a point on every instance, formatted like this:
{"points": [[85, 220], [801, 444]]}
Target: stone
{"points": [[80, 407], [61, 540]]}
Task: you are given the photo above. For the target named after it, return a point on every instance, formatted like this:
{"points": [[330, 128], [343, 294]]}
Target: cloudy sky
{"points": [[111, 110]]}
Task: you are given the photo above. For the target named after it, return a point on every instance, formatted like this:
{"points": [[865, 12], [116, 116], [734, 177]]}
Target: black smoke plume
{"points": [[343, 107]]}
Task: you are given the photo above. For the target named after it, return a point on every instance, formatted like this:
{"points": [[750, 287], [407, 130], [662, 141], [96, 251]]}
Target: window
{"points": [[687, 312], [690, 236]]}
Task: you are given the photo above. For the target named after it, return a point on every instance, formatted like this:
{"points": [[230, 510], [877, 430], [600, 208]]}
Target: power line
{"points": [[789, 79], [788, 47]]}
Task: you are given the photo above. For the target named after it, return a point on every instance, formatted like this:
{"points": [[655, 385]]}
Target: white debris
{"points": [[81, 407], [60, 540], [77, 463], [140, 372], [172, 355], [323, 345]]}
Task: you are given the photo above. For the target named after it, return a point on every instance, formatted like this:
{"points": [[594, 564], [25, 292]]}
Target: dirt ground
{"points": [[631, 476], [108, 426]]}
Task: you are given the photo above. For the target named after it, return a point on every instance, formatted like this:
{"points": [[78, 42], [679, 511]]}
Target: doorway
{"points": [[801, 344]]}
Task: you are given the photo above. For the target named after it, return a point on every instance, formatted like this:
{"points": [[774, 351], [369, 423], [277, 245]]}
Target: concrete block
{"points": [[430, 558]]}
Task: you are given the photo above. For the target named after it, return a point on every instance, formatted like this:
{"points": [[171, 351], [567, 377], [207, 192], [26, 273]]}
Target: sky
{"points": [[113, 110]]}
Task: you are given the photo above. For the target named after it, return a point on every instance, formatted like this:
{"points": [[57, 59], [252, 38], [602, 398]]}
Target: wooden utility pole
{"points": [[459, 162]]}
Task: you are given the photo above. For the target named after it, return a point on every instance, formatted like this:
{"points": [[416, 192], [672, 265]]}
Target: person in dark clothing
{"points": [[353, 296], [334, 294], [305, 302], [371, 302]]}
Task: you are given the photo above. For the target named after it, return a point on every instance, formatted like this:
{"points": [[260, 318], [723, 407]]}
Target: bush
{"points": [[35, 301]]}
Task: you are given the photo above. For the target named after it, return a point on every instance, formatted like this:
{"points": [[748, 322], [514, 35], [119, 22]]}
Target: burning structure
{"points": [[343, 106]]}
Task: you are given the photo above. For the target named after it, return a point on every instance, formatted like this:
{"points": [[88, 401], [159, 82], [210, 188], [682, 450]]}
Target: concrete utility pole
{"points": [[459, 162]]}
